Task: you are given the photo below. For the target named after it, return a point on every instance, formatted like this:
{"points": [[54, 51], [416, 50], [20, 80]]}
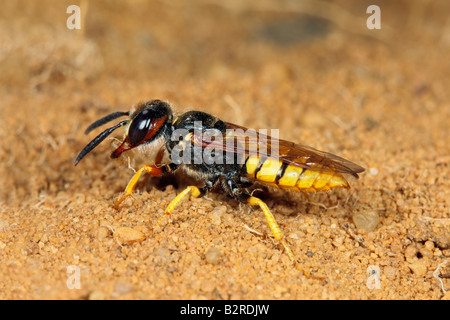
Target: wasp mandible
{"points": [[220, 153]]}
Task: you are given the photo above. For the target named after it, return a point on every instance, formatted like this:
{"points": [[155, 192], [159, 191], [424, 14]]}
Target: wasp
{"points": [[220, 153]]}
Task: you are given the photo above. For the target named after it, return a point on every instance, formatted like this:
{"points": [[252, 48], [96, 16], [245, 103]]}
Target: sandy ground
{"points": [[377, 97]]}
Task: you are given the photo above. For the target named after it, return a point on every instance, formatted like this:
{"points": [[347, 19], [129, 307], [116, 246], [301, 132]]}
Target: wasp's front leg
{"points": [[151, 169]]}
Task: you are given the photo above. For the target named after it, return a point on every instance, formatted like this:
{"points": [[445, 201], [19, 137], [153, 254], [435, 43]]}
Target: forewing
{"points": [[247, 142]]}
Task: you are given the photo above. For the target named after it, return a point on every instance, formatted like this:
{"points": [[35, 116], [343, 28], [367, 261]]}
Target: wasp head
{"points": [[146, 124]]}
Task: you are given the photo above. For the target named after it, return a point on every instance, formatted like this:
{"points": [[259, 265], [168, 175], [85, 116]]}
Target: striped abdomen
{"points": [[274, 172]]}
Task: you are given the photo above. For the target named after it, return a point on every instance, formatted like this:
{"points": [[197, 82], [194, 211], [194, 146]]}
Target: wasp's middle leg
{"points": [[195, 191]]}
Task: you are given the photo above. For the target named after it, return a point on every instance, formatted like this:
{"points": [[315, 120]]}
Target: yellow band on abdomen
{"points": [[274, 172]]}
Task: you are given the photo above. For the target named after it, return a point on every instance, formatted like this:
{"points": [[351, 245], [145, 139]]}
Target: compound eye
{"points": [[139, 128]]}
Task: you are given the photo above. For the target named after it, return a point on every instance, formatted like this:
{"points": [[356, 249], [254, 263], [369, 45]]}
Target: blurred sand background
{"points": [[310, 68]]}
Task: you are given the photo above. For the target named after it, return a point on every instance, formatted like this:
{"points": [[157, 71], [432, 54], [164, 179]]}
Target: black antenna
{"points": [[98, 139], [106, 119]]}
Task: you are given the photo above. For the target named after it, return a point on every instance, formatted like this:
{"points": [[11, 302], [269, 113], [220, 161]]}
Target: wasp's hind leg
{"points": [[237, 192], [277, 232]]}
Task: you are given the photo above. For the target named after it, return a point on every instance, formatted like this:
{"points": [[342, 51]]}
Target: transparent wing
{"points": [[244, 141]]}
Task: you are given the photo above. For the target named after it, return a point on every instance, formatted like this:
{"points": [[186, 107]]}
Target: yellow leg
{"points": [[276, 231], [153, 170], [191, 189]]}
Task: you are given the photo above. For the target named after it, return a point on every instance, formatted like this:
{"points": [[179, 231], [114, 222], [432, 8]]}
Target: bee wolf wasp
{"points": [[240, 159]]}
